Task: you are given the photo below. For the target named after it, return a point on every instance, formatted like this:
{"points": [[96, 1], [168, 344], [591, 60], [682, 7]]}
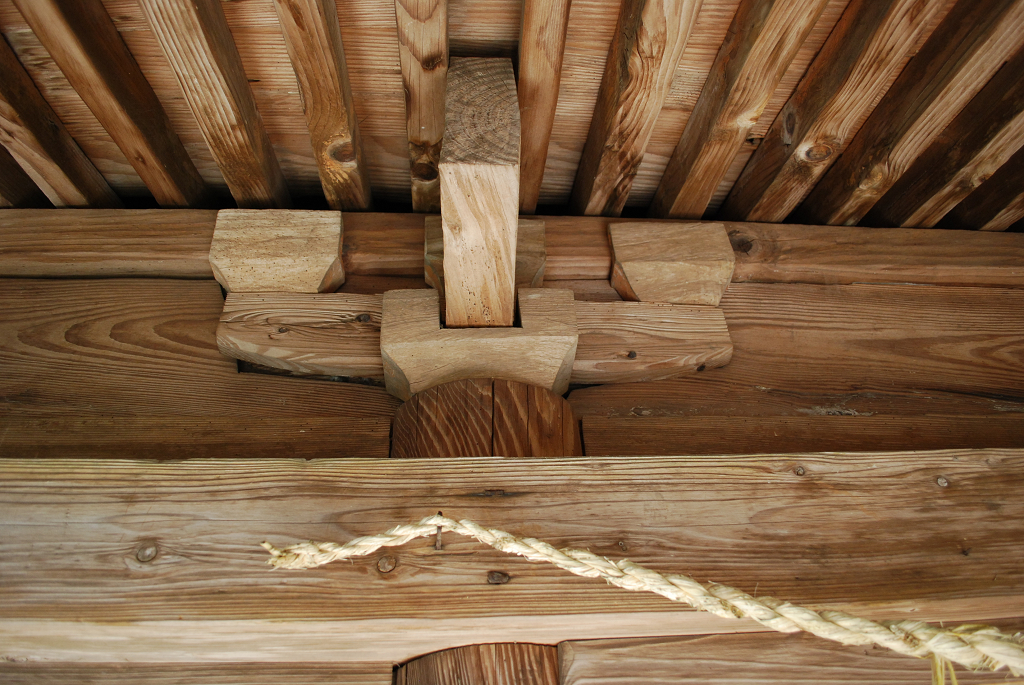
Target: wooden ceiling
{"points": [[833, 62]]}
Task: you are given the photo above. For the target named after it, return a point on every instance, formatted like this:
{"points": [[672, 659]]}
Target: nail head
{"points": [[498, 577], [387, 564]]}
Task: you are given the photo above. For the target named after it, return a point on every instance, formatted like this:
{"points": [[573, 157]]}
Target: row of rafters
{"points": [[878, 112]]}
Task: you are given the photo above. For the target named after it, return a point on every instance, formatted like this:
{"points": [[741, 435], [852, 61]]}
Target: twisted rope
{"points": [[974, 646]]}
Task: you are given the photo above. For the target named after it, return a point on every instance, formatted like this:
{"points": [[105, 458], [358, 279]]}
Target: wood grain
{"points": [[746, 434], [762, 42], [761, 657], [84, 43], [626, 342], [195, 674], [479, 171], [870, 534], [866, 49], [200, 49], [336, 334], [984, 135], [313, 37], [996, 204], [32, 133], [294, 251], [541, 45], [16, 188], [423, 49], [960, 56], [648, 42], [493, 664]]}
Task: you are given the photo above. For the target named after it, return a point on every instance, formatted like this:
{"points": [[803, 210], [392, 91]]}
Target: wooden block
{"points": [[677, 263], [531, 254], [480, 192], [626, 342], [491, 664], [278, 251], [329, 334], [419, 354]]}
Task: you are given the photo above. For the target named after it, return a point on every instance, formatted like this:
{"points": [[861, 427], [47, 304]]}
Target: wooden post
{"points": [[480, 192]]}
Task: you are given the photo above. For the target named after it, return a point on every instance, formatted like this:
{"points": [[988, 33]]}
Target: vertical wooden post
{"points": [[479, 173]]}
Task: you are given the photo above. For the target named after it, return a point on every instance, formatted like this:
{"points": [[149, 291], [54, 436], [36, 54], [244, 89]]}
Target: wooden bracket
{"points": [[418, 354]]}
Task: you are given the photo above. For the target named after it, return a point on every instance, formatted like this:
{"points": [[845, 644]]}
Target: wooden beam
{"points": [[313, 37], [32, 133], [865, 48], [988, 131], [423, 51], [16, 188], [541, 46], [762, 41], [996, 204], [479, 188], [177, 674], [84, 43], [197, 42], [646, 48], [95, 599], [484, 664], [960, 56]]}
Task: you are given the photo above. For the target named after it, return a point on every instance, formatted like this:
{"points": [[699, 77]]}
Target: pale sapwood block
{"points": [[418, 354], [677, 263], [278, 250], [479, 172], [531, 253], [331, 334]]}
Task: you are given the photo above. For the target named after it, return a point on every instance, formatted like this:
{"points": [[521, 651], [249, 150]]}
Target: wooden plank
{"points": [[16, 188], [625, 342], [850, 72], [746, 434], [331, 334], [961, 55], [996, 204], [293, 251], [193, 674], [84, 43], [984, 135], [761, 657], [198, 44], [423, 50], [763, 40], [100, 242], [645, 51], [452, 420], [479, 186], [541, 46], [511, 420], [730, 514], [677, 263], [493, 664], [313, 38], [34, 135]]}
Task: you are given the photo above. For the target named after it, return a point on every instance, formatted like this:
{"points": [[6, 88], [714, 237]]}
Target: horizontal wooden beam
{"points": [[379, 673], [148, 561]]}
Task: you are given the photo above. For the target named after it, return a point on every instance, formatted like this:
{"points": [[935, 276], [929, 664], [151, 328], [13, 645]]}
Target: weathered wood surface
{"points": [[677, 263], [961, 55], [866, 49], [746, 434], [423, 50], [493, 664], [332, 334], [812, 349], [485, 417], [83, 41], [996, 204], [198, 45], [479, 172], [639, 341], [17, 189], [37, 138], [197, 674], [418, 354], [646, 47], [295, 251], [75, 589], [541, 45], [767, 658], [762, 41], [311, 31], [88, 363]]}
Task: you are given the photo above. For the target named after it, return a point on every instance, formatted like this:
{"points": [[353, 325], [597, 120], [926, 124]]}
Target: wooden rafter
{"points": [[16, 188], [996, 204]]}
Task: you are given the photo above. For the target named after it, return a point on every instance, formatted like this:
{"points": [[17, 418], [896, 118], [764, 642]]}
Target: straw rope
{"points": [[974, 646]]}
